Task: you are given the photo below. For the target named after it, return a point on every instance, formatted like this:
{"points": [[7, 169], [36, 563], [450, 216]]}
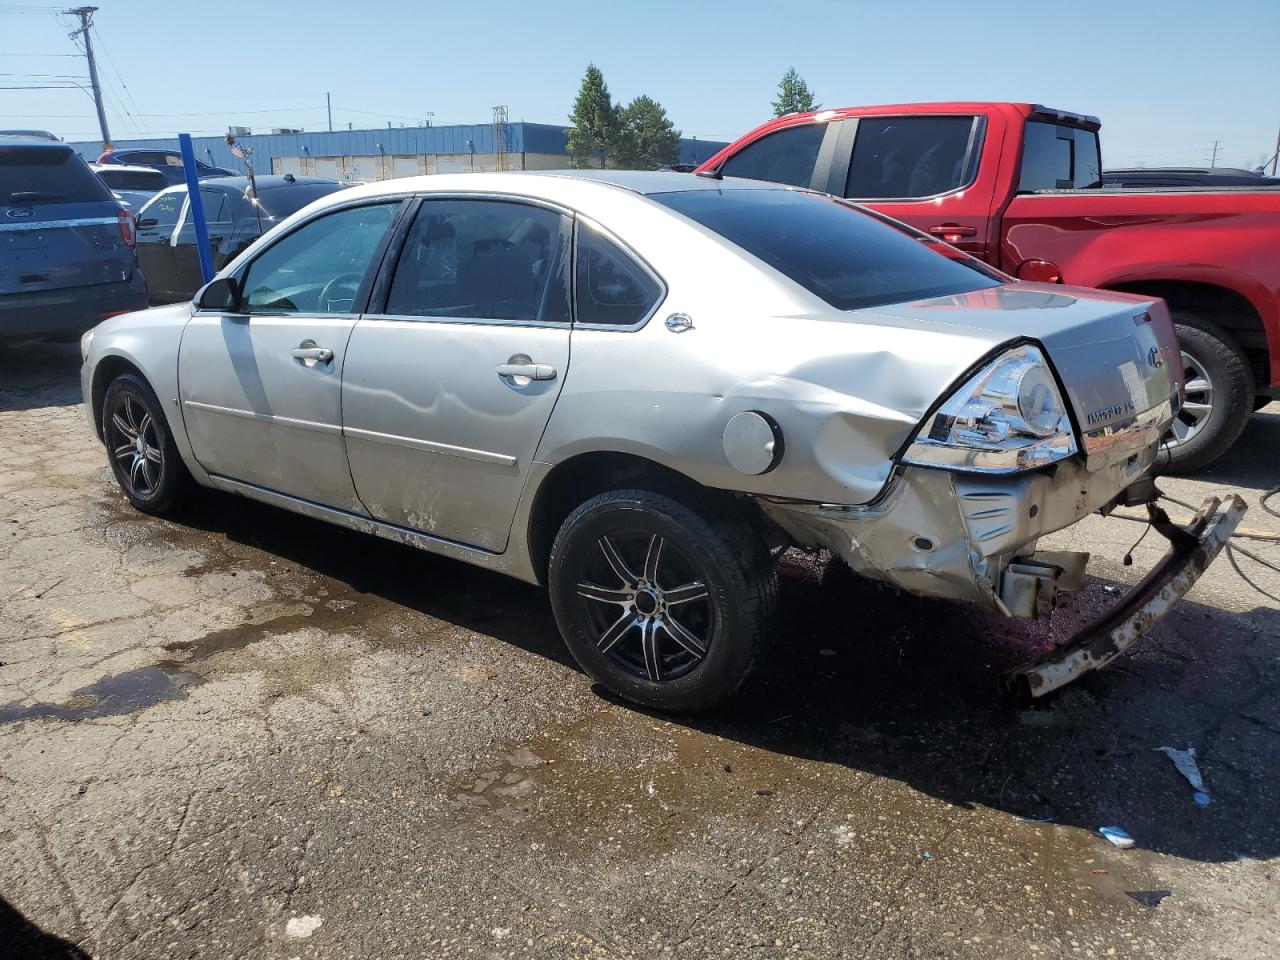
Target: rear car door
{"points": [[186, 258], [924, 170], [451, 379], [260, 386], [157, 222]]}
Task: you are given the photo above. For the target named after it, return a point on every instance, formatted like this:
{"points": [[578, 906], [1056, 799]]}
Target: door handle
{"points": [[319, 354], [530, 371], [949, 230]]}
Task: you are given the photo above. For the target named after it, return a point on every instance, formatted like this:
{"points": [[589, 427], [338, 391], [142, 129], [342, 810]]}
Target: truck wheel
{"points": [[665, 605], [1220, 395], [140, 446]]}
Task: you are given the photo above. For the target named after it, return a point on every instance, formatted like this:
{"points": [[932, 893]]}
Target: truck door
{"points": [[935, 172]]}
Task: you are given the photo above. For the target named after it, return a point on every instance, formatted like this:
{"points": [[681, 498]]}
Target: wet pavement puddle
{"points": [[111, 696]]}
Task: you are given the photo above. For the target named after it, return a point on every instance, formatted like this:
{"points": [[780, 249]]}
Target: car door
{"points": [[187, 278], [450, 381], [925, 170], [260, 385], [157, 222]]}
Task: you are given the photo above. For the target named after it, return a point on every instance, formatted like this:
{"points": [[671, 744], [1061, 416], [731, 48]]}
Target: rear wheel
{"points": [[1220, 395], [666, 605], [140, 446]]}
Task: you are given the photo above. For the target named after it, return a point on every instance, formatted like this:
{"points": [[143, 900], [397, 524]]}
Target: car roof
{"points": [[267, 182], [28, 140]]}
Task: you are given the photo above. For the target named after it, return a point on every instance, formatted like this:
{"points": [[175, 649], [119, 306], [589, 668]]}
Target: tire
{"points": [[1220, 395], [152, 475], [711, 569]]}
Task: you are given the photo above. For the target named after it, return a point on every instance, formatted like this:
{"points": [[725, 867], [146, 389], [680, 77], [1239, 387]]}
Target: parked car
{"points": [[167, 234], [1144, 178], [1019, 186], [132, 186], [630, 386], [31, 134], [168, 162], [67, 255]]}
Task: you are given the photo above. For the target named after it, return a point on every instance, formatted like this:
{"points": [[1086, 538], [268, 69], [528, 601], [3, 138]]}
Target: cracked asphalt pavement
{"points": [[242, 733]]}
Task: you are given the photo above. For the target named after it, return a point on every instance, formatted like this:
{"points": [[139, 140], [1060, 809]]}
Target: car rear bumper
{"points": [[1141, 608], [972, 537], [68, 312]]}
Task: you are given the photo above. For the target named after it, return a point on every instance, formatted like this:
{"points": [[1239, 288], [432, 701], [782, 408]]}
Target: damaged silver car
{"points": [[634, 388]]}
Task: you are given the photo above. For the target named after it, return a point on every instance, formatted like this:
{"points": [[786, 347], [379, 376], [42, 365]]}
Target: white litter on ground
{"points": [[1185, 762], [299, 928]]}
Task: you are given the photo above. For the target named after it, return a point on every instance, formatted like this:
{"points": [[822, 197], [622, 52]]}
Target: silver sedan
{"points": [[635, 388]]}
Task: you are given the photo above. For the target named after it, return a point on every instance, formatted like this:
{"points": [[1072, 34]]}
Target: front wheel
{"points": [[140, 446], [666, 605], [1220, 395]]}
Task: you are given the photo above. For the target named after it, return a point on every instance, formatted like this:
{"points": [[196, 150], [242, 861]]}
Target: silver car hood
{"points": [[1111, 350]]}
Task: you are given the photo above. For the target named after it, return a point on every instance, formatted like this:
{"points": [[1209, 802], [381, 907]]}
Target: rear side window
{"points": [[612, 288], [319, 267], [38, 176], [910, 157], [787, 156], [848, 258], [216, 209], [1058, 157], [483, 260]]}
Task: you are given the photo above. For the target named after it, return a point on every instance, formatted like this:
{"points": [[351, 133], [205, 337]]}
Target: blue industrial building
{"points": [[381, 153]]}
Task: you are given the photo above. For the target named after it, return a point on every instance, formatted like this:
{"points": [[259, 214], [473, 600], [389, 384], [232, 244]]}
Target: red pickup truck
{"points": [[1020, 186]]}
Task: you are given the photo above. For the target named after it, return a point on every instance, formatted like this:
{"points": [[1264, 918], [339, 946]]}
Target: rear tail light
{"points": [[128, 231]]}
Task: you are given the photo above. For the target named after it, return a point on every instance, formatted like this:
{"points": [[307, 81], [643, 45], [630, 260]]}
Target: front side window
{"points": [[483, 260], [1059, 157], [612, 288], [319, 267], [835, 251], [909, 157], [787, 156]]}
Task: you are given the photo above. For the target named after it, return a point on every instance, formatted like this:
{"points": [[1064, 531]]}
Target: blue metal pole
{"points": [[197, 206]]}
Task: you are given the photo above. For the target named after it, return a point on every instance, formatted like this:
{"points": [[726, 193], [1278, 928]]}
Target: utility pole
{"points": [[328, 105], [1213, 160], [86, 21]]}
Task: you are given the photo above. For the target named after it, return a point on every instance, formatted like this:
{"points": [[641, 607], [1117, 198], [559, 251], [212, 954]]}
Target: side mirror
{"points": [[220, 293]]}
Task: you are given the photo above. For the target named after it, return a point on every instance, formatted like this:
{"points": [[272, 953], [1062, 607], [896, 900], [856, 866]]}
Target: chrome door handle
{"points": [[530, 371], [320, 354]]}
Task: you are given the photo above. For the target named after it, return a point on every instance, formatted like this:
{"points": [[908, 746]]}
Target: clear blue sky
{"points": [[1166, 78]]}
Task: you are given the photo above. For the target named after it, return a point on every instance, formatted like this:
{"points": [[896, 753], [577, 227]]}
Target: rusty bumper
{"points": [[1192, 550]]}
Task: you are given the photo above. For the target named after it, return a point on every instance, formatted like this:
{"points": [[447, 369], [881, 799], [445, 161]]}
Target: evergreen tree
{"points": [[794, 95], [595, 122], [647, 138]]}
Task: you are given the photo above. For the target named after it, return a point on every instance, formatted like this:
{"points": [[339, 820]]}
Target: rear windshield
{"points": [[133, 179], [282, 201], [35, 176], [1059, 157], [830, 248]]}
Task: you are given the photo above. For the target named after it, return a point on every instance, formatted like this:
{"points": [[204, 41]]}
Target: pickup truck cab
{"points": [[1020, 186]]}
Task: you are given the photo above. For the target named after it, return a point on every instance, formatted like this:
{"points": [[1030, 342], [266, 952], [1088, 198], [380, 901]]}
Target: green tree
{"points": [[794, 95], [647, 139], [595, 122]]}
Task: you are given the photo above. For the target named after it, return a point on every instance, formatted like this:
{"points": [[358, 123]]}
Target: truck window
{"points": [[911, 157], [787, 156], [1059, 157]]}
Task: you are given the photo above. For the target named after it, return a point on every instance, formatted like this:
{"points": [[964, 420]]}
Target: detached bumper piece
{"points": [[1192, 550]]}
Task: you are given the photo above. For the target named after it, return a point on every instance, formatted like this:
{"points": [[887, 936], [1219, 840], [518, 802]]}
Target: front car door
{"points": [[260, 387], [451, 378], [157, 222]]}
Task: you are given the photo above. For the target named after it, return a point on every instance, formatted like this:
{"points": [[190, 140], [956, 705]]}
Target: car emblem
{"points": [[1110, 413], [1155, 357], [19, 213]]}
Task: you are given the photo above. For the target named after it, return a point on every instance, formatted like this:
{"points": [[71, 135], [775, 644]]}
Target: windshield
{"points": [[829, 247], [279, 202]]}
